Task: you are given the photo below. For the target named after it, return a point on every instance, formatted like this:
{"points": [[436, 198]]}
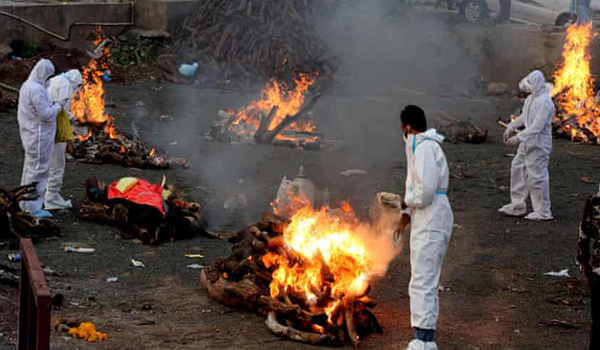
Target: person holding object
{"points": [[62, 87], [427, 178], [529, 168], [589, 233], [37, 128]]}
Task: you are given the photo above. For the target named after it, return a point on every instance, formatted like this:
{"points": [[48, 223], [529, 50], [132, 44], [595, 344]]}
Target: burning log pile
{"points": [[308, 275], [98, 140], [251, 40], [577, 109], [277, 118], [15, 223], [101, 147], [142, 214]]}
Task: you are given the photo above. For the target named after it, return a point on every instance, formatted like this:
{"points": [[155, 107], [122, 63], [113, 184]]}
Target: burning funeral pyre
{"points": [[99, 141], [578, 111], [277, 118], [310, 275], [153, 213]]}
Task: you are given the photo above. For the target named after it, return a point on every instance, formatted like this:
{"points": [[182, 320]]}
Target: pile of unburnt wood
{"points": [[15, 223], [242, 280], [245, 40], [127, 151], [183, 219]]}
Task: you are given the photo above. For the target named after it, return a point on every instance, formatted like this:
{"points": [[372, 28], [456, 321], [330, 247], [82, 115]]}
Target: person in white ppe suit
{"points": [[62, 87], [431, 222], [37, 127], [529, 168]]}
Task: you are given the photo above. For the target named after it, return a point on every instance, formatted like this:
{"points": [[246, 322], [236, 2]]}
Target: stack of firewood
{"points": [[183, 219], [242, 280], [248, 39], [15, 223]]}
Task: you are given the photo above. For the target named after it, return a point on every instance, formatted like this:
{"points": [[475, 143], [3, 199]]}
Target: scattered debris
{"points": [[587, 180], [194, 256], [14, 257], [561, 273], [79, 250], [137, 263], [144, 322], [195, 266], [559, 323], [351, 172]]}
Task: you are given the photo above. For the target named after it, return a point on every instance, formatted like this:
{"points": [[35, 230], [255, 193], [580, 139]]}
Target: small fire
{"points": [[82, 138], [335, 262], [152, 153], [579, 113], [88, 104], [288, 102]]}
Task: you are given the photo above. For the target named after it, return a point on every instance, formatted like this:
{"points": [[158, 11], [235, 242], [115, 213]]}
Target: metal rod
{"points": [[79, 24]]}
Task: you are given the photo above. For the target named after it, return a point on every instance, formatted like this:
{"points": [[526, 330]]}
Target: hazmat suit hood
{"points": [[74, 78], [415, 139], [42, 71], [533, 83]]}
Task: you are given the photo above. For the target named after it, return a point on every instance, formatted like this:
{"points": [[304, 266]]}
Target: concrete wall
{"points": [[162, 14], [57, 18]]}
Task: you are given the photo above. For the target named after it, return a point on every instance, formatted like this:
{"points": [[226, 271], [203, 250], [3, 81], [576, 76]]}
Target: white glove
{"points": [[513, 141], [390, 200], [508, 133]]}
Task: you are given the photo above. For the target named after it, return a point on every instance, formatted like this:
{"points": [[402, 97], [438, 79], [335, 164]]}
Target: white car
{"points": [[549, 12]]}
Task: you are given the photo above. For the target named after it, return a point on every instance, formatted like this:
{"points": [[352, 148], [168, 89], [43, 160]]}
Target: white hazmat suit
{"points": [[62, 88], [529, 169], [431, 224], [37, 127]]}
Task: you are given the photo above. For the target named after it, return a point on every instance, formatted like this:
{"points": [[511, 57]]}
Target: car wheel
{"points": [[565, 18], [474, 10]]}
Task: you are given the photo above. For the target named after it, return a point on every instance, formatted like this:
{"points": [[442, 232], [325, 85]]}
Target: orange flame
{"points": [[152, 153], [574, 87], [82, 138], [87, 105], [327, 241], [277, 94]]}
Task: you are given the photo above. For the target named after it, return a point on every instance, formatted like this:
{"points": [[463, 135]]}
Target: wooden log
{"points": [[350, 327], [293, 334], [291, 119], [243, 294], [265, 122]]}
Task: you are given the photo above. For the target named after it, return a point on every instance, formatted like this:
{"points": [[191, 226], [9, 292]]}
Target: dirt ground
{"points": [[495, 295]]}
